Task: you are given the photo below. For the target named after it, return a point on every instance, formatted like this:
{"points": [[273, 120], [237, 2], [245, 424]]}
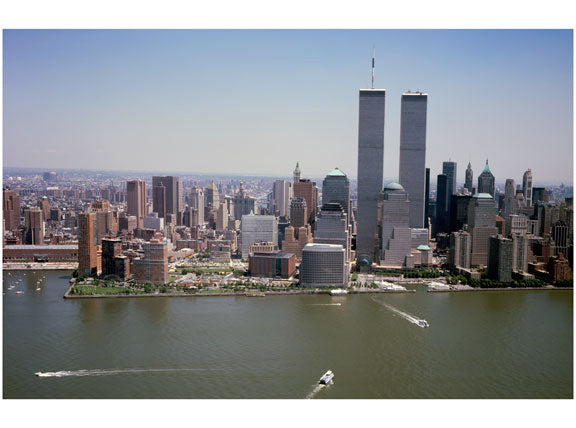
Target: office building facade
{"points": [[323, 265], [413, 153], [136, 200], [370, 171]]}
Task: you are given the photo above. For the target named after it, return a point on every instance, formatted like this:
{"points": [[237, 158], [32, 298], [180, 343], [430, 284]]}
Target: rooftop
{"points": [[483, 196], [336, 173], [323, 247], [393, 186]]}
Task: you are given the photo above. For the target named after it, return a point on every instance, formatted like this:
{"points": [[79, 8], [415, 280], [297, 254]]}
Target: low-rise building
{"points": [[272, 264]]}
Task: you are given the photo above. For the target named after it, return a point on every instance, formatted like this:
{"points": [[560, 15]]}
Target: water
{"points": [[515, 344]]}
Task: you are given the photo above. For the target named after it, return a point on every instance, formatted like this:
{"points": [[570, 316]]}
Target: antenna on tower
{"points": [[373, 56]]}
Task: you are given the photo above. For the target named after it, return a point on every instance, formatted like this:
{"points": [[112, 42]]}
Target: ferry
{"points": [[326, 378], [423, 323], [338, 292]]}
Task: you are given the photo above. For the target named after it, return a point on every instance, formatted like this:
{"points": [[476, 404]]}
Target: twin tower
{"points": [[371, 163]]}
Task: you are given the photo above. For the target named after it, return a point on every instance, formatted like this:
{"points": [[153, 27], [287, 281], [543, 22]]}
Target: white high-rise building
{"points": [[370, 171], [281, 195], [258, 228], [413, 153], [197, 201]]}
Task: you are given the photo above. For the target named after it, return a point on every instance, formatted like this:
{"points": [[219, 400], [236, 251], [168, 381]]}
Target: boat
{"points": [[255, 294], [338, 292], [423, 323], [326, 378], [19, 292]]}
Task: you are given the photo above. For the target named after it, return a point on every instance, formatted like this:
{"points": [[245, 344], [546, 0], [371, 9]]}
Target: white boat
{"points": [[19, 292], [423, 323], [338, 292], [326, 378]]}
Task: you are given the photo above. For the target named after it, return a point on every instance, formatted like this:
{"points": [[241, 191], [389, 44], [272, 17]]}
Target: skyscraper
{"points": [[370, 171], [449, 170], [527, 187], [298, 212], [281, 195], [442, 220], [222, 216], [413, 153], [297, 173], [258, 228], [510, 202], [427, 199], [197, 202], [500, 259], [44, 205], [243, 204], [136, 200], [469, 178], [11, 209], [211, 195], [172, 196], [396, 234], [486, 181], [87, 251], [159, 200], [332, 227], [482, 222], [307, 190], [34, 223], [336, 188]]}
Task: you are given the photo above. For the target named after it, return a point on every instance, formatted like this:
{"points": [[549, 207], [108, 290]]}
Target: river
{"points": [[509, 344]]}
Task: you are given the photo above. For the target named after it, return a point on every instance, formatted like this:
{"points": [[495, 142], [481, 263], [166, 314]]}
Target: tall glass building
{"points": [[370, 171], [336, 188], [413, 153]]}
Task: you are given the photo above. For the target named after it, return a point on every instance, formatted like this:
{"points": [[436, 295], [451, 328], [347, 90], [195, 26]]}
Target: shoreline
{"points": [[39, 266], [544, 288], [227, 294]]}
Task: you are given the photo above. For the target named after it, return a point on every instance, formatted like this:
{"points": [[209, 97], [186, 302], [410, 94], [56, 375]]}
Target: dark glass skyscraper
{"points": [[449, 170], [413, 153], [442, 221], [336, 188], [469, 178], [370, 171]]}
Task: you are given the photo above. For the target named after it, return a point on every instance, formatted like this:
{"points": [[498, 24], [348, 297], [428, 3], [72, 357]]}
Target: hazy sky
{"points": [[257, 101]]}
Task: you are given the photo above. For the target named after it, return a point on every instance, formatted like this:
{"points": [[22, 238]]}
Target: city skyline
{"points": [[82, 87]]}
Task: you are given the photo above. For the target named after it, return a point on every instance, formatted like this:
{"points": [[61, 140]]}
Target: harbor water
{"points": [[508, 344]]}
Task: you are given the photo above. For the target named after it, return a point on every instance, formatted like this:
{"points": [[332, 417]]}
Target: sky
{"points": [[255, 102]]}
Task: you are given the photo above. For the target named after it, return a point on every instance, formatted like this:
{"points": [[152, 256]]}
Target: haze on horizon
{"points": [[253, 102]]}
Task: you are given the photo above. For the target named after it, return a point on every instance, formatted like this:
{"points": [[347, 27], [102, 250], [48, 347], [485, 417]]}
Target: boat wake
{"points": [[418, 321], [325, 304], [107, 372], [317, 388]]}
